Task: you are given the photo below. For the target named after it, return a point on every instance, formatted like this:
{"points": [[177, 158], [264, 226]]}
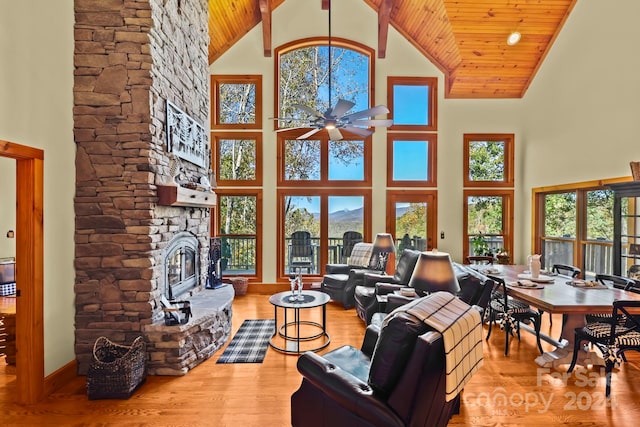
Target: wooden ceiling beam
{"points": [[384, 17], [265, 11]]}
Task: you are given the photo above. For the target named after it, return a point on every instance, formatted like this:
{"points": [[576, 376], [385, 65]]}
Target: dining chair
{"points": [[611, 281], [510, 312], [612, 339], [479, 259], [565, 270], [301, 252]]}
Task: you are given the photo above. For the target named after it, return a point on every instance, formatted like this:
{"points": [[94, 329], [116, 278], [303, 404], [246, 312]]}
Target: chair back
{"points": [[475, 288], [632, 322], [566, 270], [618, 282], [301, 245], [479, 259], [349, 240], [406, 265]]}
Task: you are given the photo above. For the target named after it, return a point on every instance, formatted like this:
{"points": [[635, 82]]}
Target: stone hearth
{"points": [[173, 350]]}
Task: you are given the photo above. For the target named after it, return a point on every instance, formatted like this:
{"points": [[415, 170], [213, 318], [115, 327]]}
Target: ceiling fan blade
{"points": [[342, 107], [334, 134], [374, 122], [310, 111], [378, 109], [308, 134], [358, 131]]}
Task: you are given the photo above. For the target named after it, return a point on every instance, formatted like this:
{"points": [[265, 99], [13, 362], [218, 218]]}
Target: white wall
{"points": [[7, 206], [581, 117], [36, 102]]}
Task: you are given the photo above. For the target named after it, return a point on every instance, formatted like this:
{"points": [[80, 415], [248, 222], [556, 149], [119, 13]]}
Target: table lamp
{"points": [[383, 246], [433, 273]]}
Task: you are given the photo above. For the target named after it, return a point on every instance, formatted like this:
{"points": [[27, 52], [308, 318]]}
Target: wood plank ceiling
{"points": [[465, 39]]}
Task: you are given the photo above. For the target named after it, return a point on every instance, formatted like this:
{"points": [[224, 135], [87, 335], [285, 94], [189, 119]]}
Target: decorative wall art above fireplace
{"points": [[186, 137]]}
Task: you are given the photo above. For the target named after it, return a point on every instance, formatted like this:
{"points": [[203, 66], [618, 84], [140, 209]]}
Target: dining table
{"points": [[555, 293]]}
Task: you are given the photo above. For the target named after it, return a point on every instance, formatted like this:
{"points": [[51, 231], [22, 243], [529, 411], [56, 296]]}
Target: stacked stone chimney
{"points": [[130, 57]]}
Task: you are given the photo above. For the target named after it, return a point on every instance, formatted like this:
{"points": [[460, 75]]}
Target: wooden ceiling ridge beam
{"points": [[384, 19], [265, 12]]}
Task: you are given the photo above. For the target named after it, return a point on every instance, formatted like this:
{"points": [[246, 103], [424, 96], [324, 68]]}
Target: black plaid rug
{"points": [[250, 343]]}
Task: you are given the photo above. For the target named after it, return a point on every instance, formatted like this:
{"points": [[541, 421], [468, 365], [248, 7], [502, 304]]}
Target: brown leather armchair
{"points": [[397, 378], [340, 280]]}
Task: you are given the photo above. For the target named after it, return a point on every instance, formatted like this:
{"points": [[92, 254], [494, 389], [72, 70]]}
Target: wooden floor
{"points": [[507, 391]]}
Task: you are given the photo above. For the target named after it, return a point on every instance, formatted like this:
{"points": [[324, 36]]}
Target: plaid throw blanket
{"points": [[461, 329], [361, 254]]}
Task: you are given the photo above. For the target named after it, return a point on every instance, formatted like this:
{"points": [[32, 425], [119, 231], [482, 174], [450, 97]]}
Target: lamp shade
{"points": [[384, 243], [433, 273]]}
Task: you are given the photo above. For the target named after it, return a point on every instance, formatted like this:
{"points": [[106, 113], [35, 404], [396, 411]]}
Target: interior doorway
{"points": [[29, 274]]}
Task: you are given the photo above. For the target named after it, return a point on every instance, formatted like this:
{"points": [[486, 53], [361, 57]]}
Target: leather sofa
{"points": [[340, 280], [365, 293], [396, 378]]}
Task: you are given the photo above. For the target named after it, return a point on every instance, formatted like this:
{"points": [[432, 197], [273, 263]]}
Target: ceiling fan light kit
{"points": [[336, 118]]}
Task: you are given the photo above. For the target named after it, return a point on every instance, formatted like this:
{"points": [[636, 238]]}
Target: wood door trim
{"points": [[29, 270]]}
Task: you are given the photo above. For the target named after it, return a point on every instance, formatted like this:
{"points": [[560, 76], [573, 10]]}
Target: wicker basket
{"points": [[116, 371], [240, 285], [635, 170]]}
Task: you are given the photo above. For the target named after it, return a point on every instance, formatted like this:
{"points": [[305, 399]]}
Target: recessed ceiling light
{"points": [[513, 38]]}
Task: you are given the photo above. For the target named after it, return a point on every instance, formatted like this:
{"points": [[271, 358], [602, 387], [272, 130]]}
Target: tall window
{"points": [[237, 163], [574, 225], [324, 185], [411, 161], [488, 205]]}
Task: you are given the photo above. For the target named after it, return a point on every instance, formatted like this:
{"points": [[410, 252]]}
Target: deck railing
{"points": [[239, 254], [598, 255]]}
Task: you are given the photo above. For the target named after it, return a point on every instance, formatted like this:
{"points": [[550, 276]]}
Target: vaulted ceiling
{"points": [[465, 39]]}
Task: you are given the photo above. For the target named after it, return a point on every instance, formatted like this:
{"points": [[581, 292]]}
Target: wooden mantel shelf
{"points": [[180, 196]]}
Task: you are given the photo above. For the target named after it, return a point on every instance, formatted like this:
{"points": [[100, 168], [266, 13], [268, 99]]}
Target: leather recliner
{"points": [[397, 378], [366, 293], [341, 279]]}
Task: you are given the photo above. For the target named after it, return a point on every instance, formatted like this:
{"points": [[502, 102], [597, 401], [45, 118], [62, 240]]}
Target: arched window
{"points": [[324, 186], [309, 74]]}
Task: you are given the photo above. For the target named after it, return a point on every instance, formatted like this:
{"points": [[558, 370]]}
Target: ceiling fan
{"points": [[336, 118]]}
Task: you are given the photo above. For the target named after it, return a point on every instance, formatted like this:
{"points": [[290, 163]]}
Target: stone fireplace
{"points": [[133, 58]]}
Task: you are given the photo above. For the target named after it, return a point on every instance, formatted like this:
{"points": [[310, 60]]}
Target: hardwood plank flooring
{"points": [[507, 391]]}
